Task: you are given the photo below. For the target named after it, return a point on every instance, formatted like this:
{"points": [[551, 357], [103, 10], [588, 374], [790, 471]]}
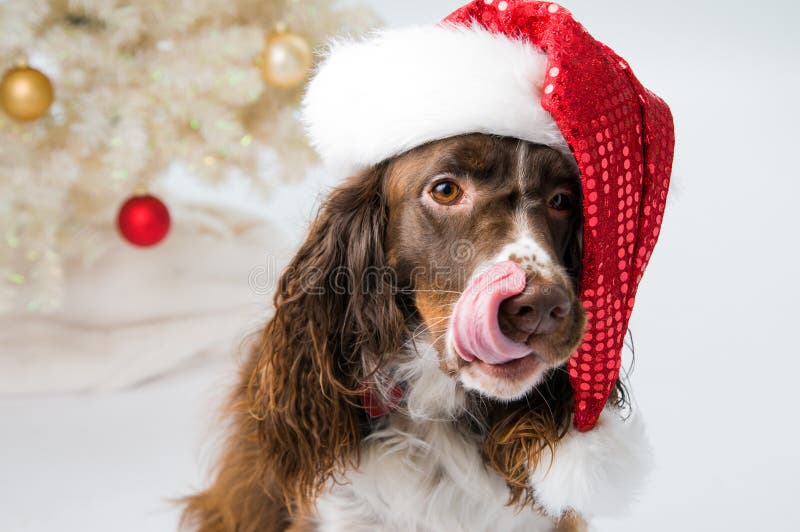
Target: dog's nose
{"points": [[537, 310]]}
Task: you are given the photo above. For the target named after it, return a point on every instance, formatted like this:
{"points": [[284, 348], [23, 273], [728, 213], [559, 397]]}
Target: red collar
{"points": [[376, 405]]}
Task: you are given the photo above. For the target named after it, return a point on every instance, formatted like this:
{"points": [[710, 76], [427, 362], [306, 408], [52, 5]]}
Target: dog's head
{"points": [[484, 234], [450, 269]]}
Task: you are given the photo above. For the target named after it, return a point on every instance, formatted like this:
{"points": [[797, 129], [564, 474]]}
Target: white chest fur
{"points": [[422, 477]]}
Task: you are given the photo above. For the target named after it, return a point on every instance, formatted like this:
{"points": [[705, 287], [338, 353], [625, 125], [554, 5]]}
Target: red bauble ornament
{"points": [[143, 220]]}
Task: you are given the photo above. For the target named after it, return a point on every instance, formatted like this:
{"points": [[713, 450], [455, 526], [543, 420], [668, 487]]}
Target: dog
{"points": [[364, 316], [445, 348]]}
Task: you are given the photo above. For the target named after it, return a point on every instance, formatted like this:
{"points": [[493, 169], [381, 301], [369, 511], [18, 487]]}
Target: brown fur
{"points": [[296, 418], [572, 522]]}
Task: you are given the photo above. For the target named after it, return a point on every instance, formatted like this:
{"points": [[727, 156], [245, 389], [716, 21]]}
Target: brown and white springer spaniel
{"points": [[363, 326]]}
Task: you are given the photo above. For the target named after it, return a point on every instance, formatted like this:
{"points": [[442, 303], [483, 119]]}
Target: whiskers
{"points": [[427, 327], [428, 291]]}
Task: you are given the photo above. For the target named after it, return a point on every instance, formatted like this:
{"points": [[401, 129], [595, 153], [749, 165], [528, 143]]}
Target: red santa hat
{"points": [[527, 70]]}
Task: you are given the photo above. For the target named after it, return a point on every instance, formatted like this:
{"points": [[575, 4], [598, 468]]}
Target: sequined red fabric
{"points": [[622, 138]]}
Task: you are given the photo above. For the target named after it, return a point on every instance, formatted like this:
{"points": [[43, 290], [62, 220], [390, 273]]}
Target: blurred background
{"points": [[119, 339]]}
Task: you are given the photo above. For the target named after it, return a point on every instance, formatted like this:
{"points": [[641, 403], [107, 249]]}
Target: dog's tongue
{"points": [[476, 331]]}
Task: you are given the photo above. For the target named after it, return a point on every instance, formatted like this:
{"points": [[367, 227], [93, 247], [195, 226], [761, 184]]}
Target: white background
{"points": [[717, 363]]}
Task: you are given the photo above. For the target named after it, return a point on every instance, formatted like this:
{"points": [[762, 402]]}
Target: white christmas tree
{"points": [[140, 85]]}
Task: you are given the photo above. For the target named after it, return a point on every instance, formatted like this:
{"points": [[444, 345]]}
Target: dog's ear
{"points": [[332, 311]]}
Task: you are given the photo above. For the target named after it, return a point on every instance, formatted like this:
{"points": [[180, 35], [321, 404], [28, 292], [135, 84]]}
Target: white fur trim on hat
{"points": [[378, 97], [598, 472]]}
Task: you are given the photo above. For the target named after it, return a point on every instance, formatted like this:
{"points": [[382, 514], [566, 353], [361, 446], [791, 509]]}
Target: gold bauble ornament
{"points": [[25, 93], [286, 60]]}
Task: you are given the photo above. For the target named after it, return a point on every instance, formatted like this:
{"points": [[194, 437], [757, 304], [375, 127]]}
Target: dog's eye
{"points": [[446, 192], [561, 202]]}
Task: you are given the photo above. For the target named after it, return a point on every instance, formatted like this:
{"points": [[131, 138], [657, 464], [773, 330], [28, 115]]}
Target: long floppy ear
{"points": [[330, 312]]}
